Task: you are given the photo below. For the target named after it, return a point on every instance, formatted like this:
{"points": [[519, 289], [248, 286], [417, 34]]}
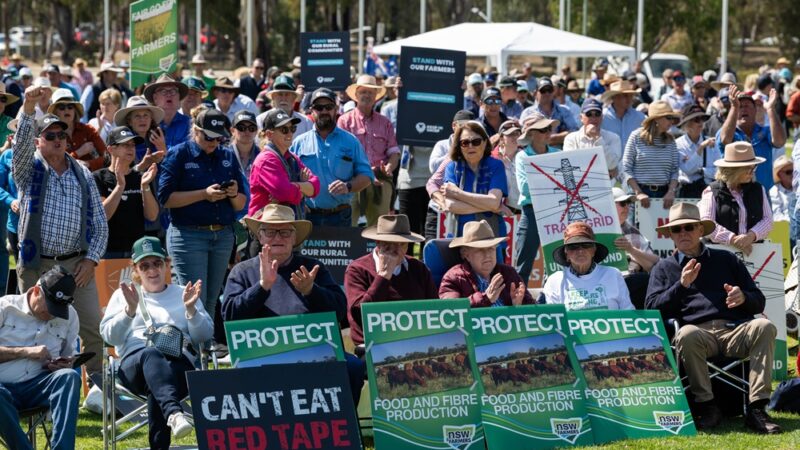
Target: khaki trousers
{"points": [[755, 339], [372, 209], [85, 304]]}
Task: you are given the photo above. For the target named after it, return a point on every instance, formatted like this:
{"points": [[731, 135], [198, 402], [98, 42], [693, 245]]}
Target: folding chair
{"points": [[34, 418], [439, 257]]}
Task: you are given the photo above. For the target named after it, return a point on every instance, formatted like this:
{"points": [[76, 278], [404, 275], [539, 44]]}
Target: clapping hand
{"points": [[690, 272], [268, 269], [773, 97], [191, 293], [131, 296], [517, 293], [303, 280], [149, 175], [496, 287], [735, 296]]}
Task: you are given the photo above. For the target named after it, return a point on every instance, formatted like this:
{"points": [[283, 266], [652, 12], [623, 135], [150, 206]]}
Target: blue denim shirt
{"points": [[630, 121], [178, 131], [338, 157], [8, 190], [188, 168], [762, 145]]}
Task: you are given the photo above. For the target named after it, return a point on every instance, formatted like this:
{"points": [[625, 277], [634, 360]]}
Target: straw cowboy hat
{"points": [[64, 96], [278, 214], [536, 121], [781, 162], [477, 235], [367, 81], [619, 87], [10, 98], [392, 228], [165, 80], [579, 233], [726, 80], [682, 213], [136, 103], [572, 86], [659, 109], [739, 154], [609, 79]]}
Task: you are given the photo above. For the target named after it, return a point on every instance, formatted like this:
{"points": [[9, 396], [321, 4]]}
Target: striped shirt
{"points": [[655, 164], [722, 235]]}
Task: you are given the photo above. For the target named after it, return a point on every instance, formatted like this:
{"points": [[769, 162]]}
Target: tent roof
{"points": [[513, 38]]}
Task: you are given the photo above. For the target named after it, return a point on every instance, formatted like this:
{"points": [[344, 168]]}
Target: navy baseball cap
{"points": [[48, 120], [277, 118], [323, 93], [244, 116], [490, 92], [121, 135], [724, 95], [58, 288], [591, 104], [213, 123], [544, 82]]}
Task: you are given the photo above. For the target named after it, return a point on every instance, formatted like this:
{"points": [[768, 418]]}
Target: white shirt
{"points": [[677, 102], [602, 288], [239, 103], [20, 328], [612, 146], [782, 200], [690, 164], [305, 123]]}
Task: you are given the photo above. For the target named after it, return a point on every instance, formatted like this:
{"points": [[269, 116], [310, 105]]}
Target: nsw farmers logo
{"points": [[567, 429], [457, 437], [671, 421], [422, 127], [321, 79]]}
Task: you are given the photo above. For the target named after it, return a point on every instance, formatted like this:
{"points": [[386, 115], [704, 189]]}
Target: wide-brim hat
{"points": [[477, 235], [367, 81], [224, 83], [609, 79], [691, 111], [572, 86], [136, 103], [10, 98], [108, 66], [579, 233], [682, 213], [278, 214], [64, 96], [392, 228], [620, 195], [658, 109], [165, 80], [198, 59], [619, 87], [726, 80], [779, 163], [739, 154], [536, 121]]}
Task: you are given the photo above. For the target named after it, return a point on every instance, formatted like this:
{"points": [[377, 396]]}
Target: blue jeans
{"points": [[527, 243], [59, 390], [3, 248], [339, 219], [201, 255]]}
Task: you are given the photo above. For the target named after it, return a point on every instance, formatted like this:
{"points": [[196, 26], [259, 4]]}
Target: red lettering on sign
{"points": [[281, 429], [300, 437], [256, 438], [661, 221], [236, 437], [215, 439], [319, 431], [339, 428]]}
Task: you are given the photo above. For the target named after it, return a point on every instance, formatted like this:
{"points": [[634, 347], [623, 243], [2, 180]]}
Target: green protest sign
{"points": [[154, 39], [632, 386], [299, 338], [532, 396], [422, 375]]}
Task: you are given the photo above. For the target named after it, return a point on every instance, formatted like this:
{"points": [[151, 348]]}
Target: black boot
{"points": [[708, 415], [758, 420]]}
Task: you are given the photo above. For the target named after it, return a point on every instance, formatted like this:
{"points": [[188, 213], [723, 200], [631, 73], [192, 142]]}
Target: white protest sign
{"points": [[655, 216]]}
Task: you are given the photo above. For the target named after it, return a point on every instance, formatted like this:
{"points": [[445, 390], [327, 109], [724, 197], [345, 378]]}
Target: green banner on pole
{"points": [[532, 396], [422, 375], [299, 338], [632, 385], [154, 39]]}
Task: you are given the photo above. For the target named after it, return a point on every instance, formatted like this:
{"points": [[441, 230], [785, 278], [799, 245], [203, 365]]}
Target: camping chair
{"points": [[729, 376], [439, 257], [35, 417]]}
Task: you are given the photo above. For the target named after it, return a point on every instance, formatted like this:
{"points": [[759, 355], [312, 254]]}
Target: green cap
{"points": [[147, 246]]}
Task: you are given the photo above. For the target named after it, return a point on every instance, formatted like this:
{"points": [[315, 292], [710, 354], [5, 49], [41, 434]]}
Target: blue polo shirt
{"points": [[762, 145], [178, 130], [338, 157], [188, 168]]}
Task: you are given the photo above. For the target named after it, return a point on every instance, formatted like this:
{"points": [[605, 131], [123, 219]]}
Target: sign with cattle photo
{"points": [[423, 379], [532, 396], [571, 187], [632, 385]]}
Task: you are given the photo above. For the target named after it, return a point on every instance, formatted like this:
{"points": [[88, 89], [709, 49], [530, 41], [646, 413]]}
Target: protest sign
{"points": [[780, 235], [325, 59], [278, 407], [431, 94], [632, 385], [298, 338], [336, 247], [154, 39], [570, 187], [656, 216], [422, 375], [532, 396], [764, 264]]}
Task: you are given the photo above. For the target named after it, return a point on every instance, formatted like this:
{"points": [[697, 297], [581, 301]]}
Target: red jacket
{"points": [[461, 282]]}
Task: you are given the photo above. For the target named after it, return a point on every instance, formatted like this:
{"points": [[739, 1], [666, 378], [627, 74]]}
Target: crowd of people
{"points": [[221, 180]]}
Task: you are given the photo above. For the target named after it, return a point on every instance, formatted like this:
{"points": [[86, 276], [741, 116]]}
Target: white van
{"points": [[655, 65]]}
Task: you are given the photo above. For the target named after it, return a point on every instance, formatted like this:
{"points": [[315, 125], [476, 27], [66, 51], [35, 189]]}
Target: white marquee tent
{"points": [[500, 40]]}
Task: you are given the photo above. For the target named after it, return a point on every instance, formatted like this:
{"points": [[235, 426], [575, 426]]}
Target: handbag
{"points": [[168, 339]]}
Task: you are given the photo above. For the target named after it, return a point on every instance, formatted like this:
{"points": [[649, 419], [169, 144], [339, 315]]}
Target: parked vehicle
{"points": [[655, 65]]}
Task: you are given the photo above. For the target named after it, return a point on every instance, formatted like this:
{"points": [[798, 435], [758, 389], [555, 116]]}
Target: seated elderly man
{"points": [[38, 330], [386, 273], [714, 297], [480, 277]]}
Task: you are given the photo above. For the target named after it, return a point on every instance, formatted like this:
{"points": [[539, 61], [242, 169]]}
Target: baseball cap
{"points": [[678, 75], [48, 120], [195, 83], [545, 82], [121, 135], [323, 93], [463, 115], [591, 104], [724, 95], [51, 68], [283, 83], [475, 78], [509, 126], [244, 116], [58, 286], [491, 77], [522, 86], [558, 81], [147, 246], [507, 82], [25, 72], [490, 92], [213, 123], [277, 118], [620, 195], [698, 80]]}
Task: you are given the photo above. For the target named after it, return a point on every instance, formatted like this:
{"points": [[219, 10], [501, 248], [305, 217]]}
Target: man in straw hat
{"points": [[376, 134], [480, 277], [283, 96], [741, 125], [229, 101], [280, 281], [387, 273], [166, 93], [199, 66], [714, 297], [619, 116], [107, 78]]}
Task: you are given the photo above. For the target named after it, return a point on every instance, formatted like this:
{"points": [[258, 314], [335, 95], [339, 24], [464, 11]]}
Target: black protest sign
{"points": [[336, 248], [325, 60], [278, 407], [431, 94]]}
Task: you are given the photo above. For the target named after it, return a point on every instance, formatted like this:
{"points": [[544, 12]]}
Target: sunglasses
{"points": [[492, 101], [246, 128], [212, 139], [53, 135], [593, 114], [580, 246], [225, 91], [3, 99], [545, 130], [547, 90], [271, 233], [145, 266], [287, 130], [167, 91], [66, 107], [786, 172], [325, 107], [678, 228], [470, 142]]}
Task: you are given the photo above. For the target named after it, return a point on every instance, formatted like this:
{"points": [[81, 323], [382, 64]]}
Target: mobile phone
{"points": [[226, 184], [80, 359]]}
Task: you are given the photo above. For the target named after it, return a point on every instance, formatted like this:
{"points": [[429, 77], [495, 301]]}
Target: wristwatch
{"points": [[349, 186]]}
